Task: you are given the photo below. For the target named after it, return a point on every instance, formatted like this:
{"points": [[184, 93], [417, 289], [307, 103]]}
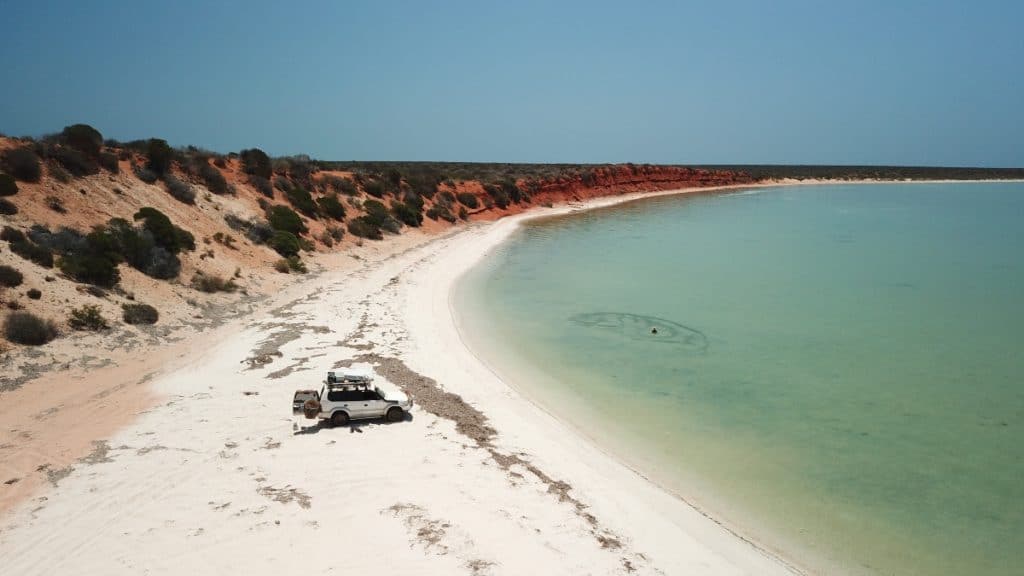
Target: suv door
{"points": [[348, 400], [373, 405]]}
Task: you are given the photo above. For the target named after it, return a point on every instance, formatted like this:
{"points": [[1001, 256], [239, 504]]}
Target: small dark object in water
{"points": [[644, 328]]}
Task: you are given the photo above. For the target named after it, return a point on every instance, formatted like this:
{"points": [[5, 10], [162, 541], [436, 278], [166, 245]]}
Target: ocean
{"points": [[834, 371]]}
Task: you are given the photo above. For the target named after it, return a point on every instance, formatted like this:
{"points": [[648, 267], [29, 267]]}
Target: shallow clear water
{"points": [[836, 370]]}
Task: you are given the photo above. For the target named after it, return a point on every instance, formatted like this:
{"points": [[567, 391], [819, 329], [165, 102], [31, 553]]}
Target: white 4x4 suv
{"points": [[351, 396]]}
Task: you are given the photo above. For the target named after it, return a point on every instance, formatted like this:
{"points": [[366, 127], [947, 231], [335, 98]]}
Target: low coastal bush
{"points": [[363, 227], [63, 241], [88, 317], [468, 199], [213, 179], [212, 284], [34, 294], [499, 195], [8, 185], [145, 174], [109, 162], [302, 200], [33, 253], [139, 314], [28, 329], [182, 191], [284, 243], [286, 219], [262, 185], [9, 234], [256, 162], [374, 188], [23, 164], [290, 264], [440, 212], [7, 208], [160, 156], [407, 213], [83, 138], [331, 207], [75, 162], [56, 172], [10, 277]]}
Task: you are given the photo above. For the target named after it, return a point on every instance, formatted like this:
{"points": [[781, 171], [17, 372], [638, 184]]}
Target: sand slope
{"points": [[219, 477]]}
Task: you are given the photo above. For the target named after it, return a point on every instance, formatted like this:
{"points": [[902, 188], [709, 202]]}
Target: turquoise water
{"points": [[836, 370]]}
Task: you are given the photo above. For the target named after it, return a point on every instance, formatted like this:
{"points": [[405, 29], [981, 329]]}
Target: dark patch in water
{"points": [[644, 329]]}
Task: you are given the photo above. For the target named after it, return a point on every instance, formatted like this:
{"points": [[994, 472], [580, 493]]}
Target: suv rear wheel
{"points": [[339, 419], [395, 415]]}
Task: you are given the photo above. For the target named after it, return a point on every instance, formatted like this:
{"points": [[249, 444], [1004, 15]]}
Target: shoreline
{"points": [[705, 507], [214, 436]]}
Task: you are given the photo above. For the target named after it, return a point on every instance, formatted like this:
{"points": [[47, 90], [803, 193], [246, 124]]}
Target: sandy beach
{"points": [[479, 480]]}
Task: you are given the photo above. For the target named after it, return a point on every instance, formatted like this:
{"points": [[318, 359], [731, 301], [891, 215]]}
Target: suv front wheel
{"points": [[395, 415]]}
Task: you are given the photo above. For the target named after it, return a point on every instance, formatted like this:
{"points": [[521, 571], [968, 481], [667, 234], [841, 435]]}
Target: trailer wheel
{"points": [[395, 415], [339, 419]]}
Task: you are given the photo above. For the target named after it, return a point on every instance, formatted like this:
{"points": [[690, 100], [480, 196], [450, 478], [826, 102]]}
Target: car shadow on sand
{"points": [[354, 426]]}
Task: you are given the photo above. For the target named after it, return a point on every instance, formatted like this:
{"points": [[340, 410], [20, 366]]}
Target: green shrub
{"points": [[407, 213], [10, 277], [88, 317], [374, 188], [282, 184], [56, 204], [63, 241], [139, 314], [256, 162], [96, 262], [145, 174], [336, 232], [83, 138], [331, 207], [463, 213], [284, 243], [109, 162], [23, 164], [160, 156], [284, 218], [28, 329], [468, 199], [290, 264], [56, 172], [182, 191], [211, 284], [376, 212], [8, 186], [33, 253], [499, 195], [301, 199], [75, 162], [440, 212], [8, 234], [213, 179], [262, 185], [164, 232], [34, 294], [7, 208], [364, 227], [296, 264], [347, 187]]}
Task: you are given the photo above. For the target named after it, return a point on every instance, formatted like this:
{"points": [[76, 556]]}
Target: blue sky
{"points": [[900, 82]]}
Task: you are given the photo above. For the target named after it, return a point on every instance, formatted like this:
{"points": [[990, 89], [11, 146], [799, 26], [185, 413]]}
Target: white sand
{"points": [[219, 478]]}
